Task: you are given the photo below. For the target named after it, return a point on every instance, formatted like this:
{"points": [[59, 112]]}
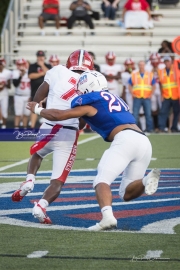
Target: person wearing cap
{"points": [[5, 84], [142, 87], [169, 94], [112, 72], [36, 74], [50, 12], [21, 83]]}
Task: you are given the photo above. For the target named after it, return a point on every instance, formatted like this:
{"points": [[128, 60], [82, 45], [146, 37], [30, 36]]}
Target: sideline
{"points": [[27, 159]]}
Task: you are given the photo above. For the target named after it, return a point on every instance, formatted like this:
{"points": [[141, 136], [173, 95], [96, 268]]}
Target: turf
{"points": [[81, 249], [108, 250]]}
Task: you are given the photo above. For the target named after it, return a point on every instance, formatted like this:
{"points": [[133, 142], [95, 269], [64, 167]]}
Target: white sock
{"points": [[107, 211], [43, 203], [30, 177]]}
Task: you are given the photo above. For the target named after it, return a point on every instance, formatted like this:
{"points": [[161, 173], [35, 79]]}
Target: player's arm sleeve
{"points": [[82, 100], [48, 77], [16, 82]]}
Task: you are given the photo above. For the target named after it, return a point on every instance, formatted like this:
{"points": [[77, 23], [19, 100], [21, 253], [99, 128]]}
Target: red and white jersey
{"points": [[24, 88], [62, 84], [113, 85], [125, 76], [5, 75], [149, 68]]}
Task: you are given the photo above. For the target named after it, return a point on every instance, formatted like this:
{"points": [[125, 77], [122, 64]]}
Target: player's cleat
{"points": [[152, 180], [40, 213], [104, 224], [25, 187]]}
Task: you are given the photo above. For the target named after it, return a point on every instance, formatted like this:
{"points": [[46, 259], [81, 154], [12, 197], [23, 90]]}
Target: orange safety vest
{"points": [[142, 87], [169, 84]]}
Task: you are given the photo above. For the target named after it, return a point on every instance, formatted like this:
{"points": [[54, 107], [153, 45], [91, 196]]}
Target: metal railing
{"points": [[9, 30]]}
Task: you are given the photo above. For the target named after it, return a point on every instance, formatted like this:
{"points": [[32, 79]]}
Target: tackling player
{"points": [[130, 151], [58, 137]]}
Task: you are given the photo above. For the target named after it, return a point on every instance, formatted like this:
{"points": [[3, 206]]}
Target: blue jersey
{"points": [[112, 111]]}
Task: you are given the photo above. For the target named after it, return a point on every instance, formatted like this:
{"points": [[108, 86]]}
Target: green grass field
{"points": [[82, 249]]}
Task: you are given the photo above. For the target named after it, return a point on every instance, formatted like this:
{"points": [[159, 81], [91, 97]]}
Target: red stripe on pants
{"points": [[70, 161]]}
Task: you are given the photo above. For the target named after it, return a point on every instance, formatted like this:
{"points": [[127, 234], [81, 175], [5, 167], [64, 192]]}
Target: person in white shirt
{"points": [[21, 83], [5, 84], [112, 72], [57, 137], [153, 65], [125, 76]]}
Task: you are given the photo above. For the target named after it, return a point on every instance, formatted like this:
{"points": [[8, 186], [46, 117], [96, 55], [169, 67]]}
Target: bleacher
{"points": [[139, 45]]}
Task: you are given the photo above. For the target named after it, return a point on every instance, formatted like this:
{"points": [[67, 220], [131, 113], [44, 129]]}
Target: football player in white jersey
{"points": [[5, 84], [54, 60], [21, 83], [112, 72], [125, 76], [57, 137], [154, 64]]}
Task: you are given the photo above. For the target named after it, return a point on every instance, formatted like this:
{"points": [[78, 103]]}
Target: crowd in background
{"points": [[136, 14], [150, 89]]}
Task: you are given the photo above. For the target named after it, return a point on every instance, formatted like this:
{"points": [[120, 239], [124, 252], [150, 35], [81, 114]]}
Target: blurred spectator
{"points": [[142, 86], [155, 64], [125, 76], [5, 84], [109, 8], [165, 47], [170, 95], [80, 12], [36, 74], [150, 3], [21, 83], [50, 12], [136, 14], [112, 72], [96, 67], [54, 60]]}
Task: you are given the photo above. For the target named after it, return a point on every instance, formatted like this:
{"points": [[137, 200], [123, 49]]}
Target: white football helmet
{"points": [[91, 81]]}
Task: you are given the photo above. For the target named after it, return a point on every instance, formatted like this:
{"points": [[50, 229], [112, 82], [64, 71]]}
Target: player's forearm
{"points": [[53, 114]]}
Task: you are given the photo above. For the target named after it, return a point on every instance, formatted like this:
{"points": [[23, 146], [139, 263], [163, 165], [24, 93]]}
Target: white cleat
{"points": [[104, 224], [25, 188], [152, 181], [40, 213]]}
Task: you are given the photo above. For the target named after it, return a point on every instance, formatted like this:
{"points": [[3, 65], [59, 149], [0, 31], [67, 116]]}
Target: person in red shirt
{"points": [[50, 12], [136, 14]]}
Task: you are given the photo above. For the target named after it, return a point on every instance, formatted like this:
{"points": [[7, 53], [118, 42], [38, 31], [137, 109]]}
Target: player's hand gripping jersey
{"points": [[62, 83], [111, 111]]}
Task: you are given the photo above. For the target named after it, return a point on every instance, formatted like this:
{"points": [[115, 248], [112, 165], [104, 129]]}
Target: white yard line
{"points": [[38, 254], [27, 159], [14, 164]]}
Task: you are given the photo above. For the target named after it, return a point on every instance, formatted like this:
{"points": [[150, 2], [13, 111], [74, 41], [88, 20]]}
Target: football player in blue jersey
{"points": [[130, 151]]}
